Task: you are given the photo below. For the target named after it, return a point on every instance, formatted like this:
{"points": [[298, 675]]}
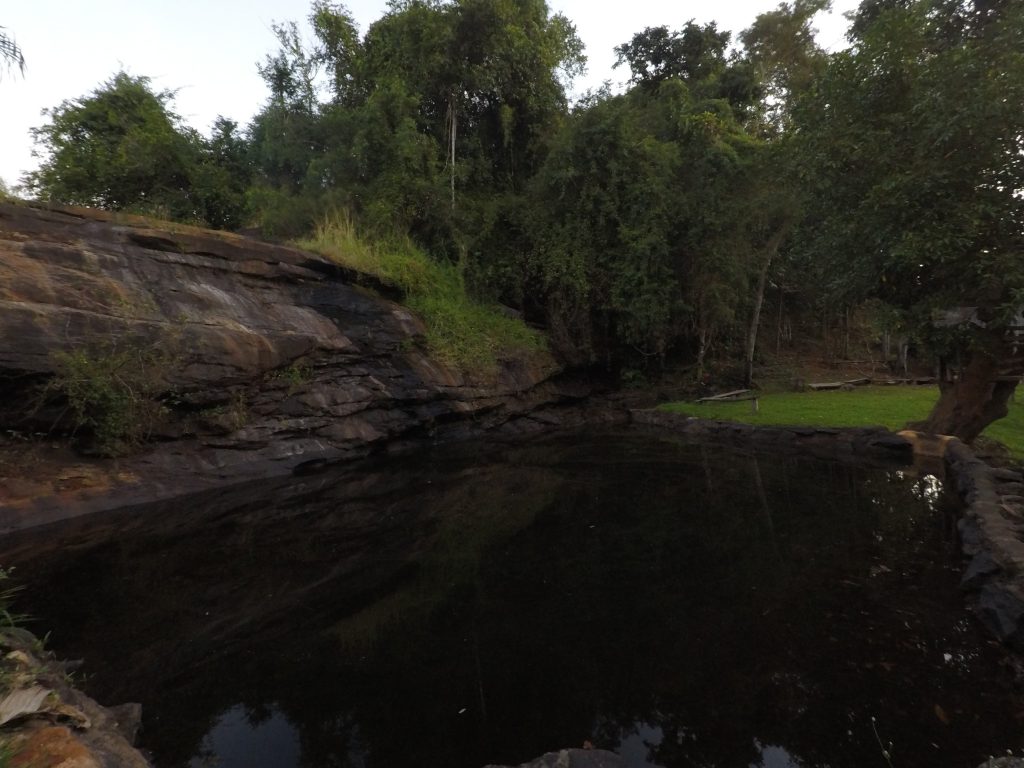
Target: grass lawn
{"points": [[890, 407]]}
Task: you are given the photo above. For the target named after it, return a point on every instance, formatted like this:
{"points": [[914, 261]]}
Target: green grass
{"points": [[460, 331], [890, 407]]}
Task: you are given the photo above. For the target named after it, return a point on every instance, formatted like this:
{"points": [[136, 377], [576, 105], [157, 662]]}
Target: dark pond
{"points": [[681, 605]]}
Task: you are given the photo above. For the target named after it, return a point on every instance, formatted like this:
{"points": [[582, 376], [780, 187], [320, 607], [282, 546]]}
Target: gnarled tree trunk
{"points": [[980, 395]]}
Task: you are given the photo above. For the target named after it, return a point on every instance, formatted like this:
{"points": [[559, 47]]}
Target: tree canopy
{"points": [[912, 144], [641, 227], [123, 148]]}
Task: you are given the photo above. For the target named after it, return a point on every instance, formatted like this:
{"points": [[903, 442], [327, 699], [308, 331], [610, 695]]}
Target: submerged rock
{"points": [[574, 758]]}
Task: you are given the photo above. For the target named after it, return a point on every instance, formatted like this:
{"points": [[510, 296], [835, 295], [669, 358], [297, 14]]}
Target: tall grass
{"points": [[460, 331]]}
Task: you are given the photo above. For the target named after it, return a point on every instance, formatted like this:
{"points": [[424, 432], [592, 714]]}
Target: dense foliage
{"points": [[122, 148], [637, 227], [916, 134]]}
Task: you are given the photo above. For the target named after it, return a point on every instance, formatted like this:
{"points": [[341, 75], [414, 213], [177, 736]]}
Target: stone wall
{"points": [[990, 534]]}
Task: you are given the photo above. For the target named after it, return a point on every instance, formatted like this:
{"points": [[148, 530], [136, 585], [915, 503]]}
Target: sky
{"points": [[207, 50]]}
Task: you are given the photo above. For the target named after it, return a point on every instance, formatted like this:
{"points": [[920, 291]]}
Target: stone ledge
{"points": [[990, 534], [869, 444]]}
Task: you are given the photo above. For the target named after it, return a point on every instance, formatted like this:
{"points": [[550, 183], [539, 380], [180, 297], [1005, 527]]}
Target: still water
{"points": [[681, 605]]}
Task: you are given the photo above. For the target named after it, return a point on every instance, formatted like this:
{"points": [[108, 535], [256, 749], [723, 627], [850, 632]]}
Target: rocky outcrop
{"points": [[262, 359], [992, 535]]}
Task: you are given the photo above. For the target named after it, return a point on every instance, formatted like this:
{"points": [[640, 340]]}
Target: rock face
{"points": [[266, 360]]}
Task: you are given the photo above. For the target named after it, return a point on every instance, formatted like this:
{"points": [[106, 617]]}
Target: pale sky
{"points": [[208, 49]]}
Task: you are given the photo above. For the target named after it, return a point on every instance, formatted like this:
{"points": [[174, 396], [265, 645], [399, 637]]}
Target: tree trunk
{"points": [[904, 352], [771, 247], [846, 333], [702, 348], [453, 123], [778, 324], [755, 320], [979, 397]]}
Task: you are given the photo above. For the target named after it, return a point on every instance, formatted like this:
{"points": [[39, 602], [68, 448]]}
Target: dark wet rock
{"points": [[311, 467], [972, 540], [1003, 762], [893, 443], [1007, 475], [574, 758], [992, 535], [127, 719], [1001, 608], [982, 567]]}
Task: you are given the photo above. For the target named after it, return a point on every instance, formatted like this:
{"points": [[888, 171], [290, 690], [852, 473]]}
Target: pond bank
{"points": [[51, 724], [991, 526]]}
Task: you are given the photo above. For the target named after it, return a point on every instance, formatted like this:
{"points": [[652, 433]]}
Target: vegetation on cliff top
{"points": [[460, 331]]}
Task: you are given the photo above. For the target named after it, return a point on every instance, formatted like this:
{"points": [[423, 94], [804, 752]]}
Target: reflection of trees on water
{"points": [[608, 589]]}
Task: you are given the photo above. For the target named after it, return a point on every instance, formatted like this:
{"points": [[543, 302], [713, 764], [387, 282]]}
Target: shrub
{"points": [[112, 392]]}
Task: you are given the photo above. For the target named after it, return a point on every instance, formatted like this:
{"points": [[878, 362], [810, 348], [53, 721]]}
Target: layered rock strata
{"points": [[266, 359]]}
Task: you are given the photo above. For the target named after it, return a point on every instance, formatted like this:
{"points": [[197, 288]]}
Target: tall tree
{"points": [[697, 55], [638, 227], [780, 50], [123, 148], [913, 145], [120, 147], [440, 102], [489, 77]]}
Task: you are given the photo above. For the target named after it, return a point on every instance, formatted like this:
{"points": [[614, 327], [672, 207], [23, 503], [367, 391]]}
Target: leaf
{"points": [[941, 714], [24, 701]]}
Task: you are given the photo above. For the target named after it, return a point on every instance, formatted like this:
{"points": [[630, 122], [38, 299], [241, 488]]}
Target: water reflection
{"points": [[242, 738], [772, 756], [639, 744], [683, 605]]}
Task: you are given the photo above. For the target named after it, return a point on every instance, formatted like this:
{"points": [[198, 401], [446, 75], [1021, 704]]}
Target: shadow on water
{"points": [[684, 605]]}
